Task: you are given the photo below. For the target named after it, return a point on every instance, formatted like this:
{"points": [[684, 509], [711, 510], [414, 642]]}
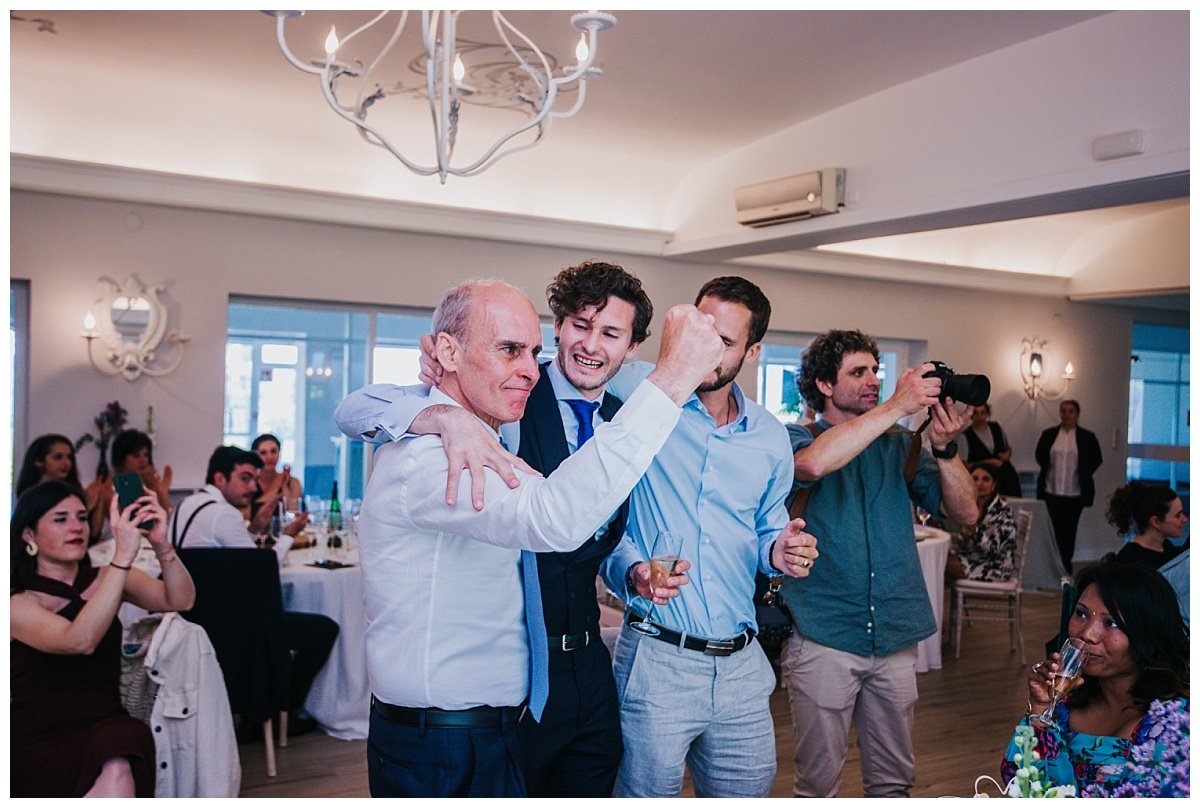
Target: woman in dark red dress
{"points": [[70, 735]]}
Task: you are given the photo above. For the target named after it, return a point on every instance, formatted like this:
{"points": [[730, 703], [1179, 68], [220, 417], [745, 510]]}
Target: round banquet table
{"points": [[340, 699], [933, 552]]}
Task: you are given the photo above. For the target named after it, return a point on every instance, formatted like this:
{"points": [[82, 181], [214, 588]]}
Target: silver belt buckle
{"points": [[719, 647]]}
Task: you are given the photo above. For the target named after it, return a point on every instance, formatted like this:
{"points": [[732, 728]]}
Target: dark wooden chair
{"points": [[240, 606]]}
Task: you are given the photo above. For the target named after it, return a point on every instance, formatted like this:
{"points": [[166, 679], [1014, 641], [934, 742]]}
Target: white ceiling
{"points": [[209, 94]]}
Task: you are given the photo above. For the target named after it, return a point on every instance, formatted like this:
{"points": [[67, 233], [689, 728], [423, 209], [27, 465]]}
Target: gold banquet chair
{"points": [[994, 601]]}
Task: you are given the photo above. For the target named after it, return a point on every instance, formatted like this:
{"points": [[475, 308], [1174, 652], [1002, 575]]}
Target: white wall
{"points": [[63, 244]]}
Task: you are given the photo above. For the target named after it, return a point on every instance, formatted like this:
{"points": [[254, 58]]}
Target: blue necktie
{"points": [[535, 624], [535, 627], [584, 411]]}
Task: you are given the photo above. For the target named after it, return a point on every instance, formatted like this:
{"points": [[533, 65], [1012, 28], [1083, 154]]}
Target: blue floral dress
{"points": [[1087, 760]]}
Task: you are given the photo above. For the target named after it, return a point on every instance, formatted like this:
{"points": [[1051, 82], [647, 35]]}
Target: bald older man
{"points": [[448, 638]]}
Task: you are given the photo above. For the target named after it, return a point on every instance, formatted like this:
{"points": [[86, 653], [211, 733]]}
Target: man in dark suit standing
{"points": [[601, 315], [1068, 455]]}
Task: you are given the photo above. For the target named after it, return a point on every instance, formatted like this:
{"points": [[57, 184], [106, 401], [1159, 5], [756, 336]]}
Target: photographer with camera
{"points": [[860, 614]]}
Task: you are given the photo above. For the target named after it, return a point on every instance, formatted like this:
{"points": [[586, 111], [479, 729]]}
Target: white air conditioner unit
{"points": [[791, 198]]}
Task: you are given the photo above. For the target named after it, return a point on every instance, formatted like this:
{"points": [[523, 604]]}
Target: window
{"points": [[18, 354], [1159, 415], [782, 353], [288, 366]]}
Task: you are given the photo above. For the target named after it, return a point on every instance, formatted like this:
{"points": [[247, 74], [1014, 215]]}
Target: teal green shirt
{"points": [[866, 594]]}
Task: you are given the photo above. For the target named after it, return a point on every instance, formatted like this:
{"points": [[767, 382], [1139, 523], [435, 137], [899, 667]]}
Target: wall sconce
{"points": [[130, 326], [1032, 366]]}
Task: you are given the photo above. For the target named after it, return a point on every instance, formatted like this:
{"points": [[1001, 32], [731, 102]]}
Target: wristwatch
{"points": [[950, 451]]}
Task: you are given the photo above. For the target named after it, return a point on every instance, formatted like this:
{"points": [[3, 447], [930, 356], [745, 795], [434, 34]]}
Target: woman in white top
{"points": [[1068, 455]]}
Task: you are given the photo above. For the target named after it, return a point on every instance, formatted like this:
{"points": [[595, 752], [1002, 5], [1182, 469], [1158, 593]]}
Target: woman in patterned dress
{"points": [[986, 550]]}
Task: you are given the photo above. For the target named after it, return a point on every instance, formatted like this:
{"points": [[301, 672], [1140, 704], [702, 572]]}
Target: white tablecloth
{"points": [[1043, 565], [933, 552], [340, 698]]}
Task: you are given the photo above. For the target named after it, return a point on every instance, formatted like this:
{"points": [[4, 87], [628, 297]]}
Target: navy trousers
{"points": [[575, 750], [443, 762]]}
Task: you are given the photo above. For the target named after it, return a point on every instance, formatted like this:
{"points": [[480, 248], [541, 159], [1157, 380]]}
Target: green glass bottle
{"points": [[335, 518]]}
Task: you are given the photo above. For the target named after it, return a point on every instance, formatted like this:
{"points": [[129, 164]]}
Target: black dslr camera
{"points": [[968, 388]]}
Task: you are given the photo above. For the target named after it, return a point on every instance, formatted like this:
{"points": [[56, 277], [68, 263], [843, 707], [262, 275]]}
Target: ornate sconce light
{"points": [[130, 324], [1032, 367]]}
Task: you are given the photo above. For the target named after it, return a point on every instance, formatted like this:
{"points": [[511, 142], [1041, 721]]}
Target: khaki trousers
{"points": [[827, 689]]}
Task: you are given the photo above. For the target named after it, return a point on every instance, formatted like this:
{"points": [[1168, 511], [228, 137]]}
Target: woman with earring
{"points": [[1068, 455], [1155, 514], [70, 736]]}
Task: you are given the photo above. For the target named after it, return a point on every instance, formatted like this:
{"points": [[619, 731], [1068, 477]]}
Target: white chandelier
{"points": [[536, 93]]}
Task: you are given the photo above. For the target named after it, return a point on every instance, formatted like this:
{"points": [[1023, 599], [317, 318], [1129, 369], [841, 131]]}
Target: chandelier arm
{"points": [[366, 79], [541, 79], [580, 69], [445, 71], [279, 35], [491, 158], [362, 124], [578, 102]]}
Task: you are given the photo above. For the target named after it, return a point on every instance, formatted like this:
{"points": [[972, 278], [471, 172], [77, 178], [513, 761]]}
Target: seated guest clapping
{"points": [[1122, 724], [132, 452], [986, 550], [210, 518], [70, 734]]}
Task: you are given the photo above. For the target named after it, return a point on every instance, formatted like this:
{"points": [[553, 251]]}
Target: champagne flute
{"points": [[664, 557], [923, 515], [1070, 667]]}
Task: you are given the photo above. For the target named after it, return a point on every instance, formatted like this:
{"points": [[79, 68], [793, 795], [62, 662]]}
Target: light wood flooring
{"points": [[964, 719]]}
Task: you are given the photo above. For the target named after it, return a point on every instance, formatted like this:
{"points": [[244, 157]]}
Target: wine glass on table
{"points": [[1070, 666], [923, 516], [664, 557]]}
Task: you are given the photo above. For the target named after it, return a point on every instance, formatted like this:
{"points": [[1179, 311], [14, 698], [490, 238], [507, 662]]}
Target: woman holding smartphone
{"points": [[70, 735]]}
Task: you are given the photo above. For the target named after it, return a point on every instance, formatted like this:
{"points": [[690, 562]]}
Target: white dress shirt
{"points": [[1063, 479], [443, 589], [218, 525]]}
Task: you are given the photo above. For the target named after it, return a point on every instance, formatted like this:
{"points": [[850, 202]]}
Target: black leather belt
{"points": [[473, 718], [694, 643], [570, 642]]}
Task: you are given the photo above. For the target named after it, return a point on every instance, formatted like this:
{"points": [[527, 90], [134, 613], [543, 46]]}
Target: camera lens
{"points": [[967, 388]]}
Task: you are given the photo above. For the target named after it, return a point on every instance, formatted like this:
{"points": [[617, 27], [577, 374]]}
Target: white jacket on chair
{"points": [[191, 721]]}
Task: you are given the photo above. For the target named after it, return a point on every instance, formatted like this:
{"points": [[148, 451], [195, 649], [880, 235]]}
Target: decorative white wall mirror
{"points": [[131, 324]]}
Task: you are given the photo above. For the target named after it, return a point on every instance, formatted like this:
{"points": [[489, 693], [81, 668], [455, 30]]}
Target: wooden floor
{"points": [[965, 716]]}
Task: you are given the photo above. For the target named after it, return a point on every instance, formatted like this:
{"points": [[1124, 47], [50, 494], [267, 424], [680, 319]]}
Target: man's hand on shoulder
{"points": [[469, 445]]}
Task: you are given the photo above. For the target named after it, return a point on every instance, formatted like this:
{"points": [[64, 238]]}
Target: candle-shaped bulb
{"points": [[1069, 370], [89, 322], [1035, 365], [460, 70], [331, 42], [581, 50]]}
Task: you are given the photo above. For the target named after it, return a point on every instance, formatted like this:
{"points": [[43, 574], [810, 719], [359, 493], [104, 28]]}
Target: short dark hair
{"points": [[1145, 608], [31, 475], [30, 508], [592, 283], [1132, 505], [130, 442], [1072, 402], [733, 289], [226, 458], [822, 359], [263, 438]]}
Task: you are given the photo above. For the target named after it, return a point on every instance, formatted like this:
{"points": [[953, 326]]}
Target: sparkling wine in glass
{"points": [[664, 557], [923, 515], [1070, 667]]}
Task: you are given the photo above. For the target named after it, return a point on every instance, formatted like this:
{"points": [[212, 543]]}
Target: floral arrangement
{"points": [[109, 422], [1160, 765], [1030, 779]]}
